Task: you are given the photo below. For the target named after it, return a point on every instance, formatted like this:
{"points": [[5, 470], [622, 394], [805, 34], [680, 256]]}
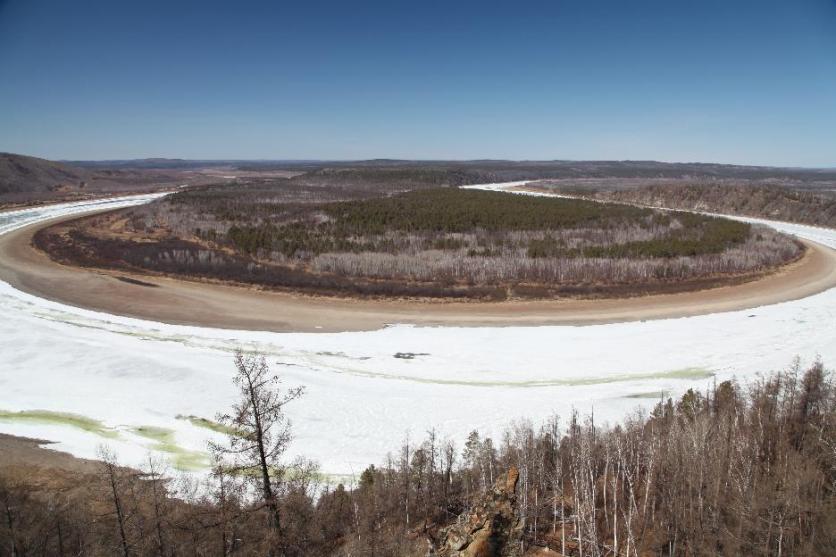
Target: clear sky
{"points": [[735, 81]]}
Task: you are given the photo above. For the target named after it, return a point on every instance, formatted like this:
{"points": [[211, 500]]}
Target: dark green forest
{"points": [[435, 214]]}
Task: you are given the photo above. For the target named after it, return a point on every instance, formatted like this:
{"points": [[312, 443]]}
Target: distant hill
{"points": [[770, 202], [25, 180], [488, 169], [20, 174], [28, 180], [156, 163]]}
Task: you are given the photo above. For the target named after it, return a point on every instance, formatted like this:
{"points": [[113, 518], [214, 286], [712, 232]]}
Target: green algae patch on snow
{"points": [[289, 473], [678, 374], [48, 417], [206, 423], [690, 373], [657, 395], [162, 435], [164, 442], [687, 373]]}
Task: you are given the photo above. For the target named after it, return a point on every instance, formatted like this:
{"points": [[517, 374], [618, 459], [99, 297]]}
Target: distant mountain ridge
{"points": [[501, 169], [25, 179]]}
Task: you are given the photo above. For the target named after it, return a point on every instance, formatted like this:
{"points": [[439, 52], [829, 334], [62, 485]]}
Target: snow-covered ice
{"points": [[361, 400]]}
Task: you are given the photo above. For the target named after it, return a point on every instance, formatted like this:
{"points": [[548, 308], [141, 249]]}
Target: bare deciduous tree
{"points": [[259, 430], [115, 482]]}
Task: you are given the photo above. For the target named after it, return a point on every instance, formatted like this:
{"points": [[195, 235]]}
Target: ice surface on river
{"points": [[361, 399]]}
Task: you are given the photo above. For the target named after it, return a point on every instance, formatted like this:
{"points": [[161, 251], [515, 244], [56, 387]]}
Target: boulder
{"points": [[492, 528]]}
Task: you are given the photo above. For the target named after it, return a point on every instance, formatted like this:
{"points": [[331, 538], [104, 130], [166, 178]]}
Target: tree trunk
{"points": [[267, 486], [120, 517]]}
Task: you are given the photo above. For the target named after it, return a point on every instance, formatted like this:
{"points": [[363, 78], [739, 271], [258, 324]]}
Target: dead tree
{"points": [[259, 430], [113, 480], [159, 499]]}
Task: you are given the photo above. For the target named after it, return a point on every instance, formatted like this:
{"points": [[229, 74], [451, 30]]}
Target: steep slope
{"points": [[493, 528], [22, 174], [28, 180]]}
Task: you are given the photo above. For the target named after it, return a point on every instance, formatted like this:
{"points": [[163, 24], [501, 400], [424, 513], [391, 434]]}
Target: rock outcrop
{"points": [[492, 528]]}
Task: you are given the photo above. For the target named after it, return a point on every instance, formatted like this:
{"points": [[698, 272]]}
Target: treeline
{"points": [[255, 199], [452, 210], [463, 266], [435, 216], [487, 171], [544, 277], [249, 202], [694, 235], [436, 242], [292, 224], [770, 202], [172, 256], [389, 179], [483, 222], [731, 471]]}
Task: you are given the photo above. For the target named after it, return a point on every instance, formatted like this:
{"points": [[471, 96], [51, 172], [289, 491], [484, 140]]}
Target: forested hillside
{"points": [[30, 180], [736, 470], [769, 202], [21, 174]]}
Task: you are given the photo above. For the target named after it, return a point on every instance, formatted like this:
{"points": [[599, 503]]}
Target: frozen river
{"points": [[132, 384]]}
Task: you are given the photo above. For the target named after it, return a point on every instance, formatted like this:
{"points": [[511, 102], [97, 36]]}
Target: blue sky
{"points": [[718, 81]]}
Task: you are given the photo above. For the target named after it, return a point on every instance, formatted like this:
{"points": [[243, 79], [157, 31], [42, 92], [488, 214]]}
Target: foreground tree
{"points": [[730, 470], [259, 431], [117, 482]]}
